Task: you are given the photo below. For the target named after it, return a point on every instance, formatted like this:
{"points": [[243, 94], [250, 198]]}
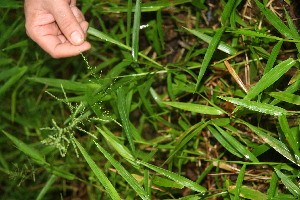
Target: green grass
{"points": [[183, 108]]}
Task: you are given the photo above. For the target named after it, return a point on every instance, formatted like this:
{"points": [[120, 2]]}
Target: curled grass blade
{"points": [[255, 106], [175, 177], [203, 109], [99, 173], [124, 173], [269, 78]]}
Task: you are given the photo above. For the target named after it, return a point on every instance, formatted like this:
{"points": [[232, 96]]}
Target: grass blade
{"points": [[289, 184], [237, 145], [270, 77], [273, 56], [227, 145], [175, 177], [107, 38], [124, 173], [66, 84], [124, 115], [121, 149], [47, 187], [249, 193], [227, 11], [12, 80], [206, 38], [276, 144], [275, 20], [239, 182], [38, 158], [28, 150], [284, 125], [255, 106], [136, 30], [203, 109], [209, 53], [287, 97], [99, 173]]}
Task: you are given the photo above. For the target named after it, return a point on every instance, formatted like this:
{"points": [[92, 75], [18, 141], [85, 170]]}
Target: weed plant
{"points": [[179, 99]]}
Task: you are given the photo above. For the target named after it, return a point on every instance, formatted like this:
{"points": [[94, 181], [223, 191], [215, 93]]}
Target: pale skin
{"points": [[57, 26]]}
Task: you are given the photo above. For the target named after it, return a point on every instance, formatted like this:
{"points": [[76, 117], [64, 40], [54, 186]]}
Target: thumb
{"points": [[68, 23]]}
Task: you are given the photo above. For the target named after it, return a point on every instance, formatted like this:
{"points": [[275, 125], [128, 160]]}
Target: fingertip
{"points": [[77, 38]]}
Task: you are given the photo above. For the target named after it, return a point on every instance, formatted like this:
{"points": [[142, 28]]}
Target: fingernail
{"points": [[76, 37]]}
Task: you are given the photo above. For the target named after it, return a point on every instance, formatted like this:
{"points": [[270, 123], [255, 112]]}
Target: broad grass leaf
{"points": [[256, 106], [124, 173], [287, 97], [110, 189], [120, 148], [279, 146], [202, 109], [289, 184], [28, 150], [175, 177], [269, 78], [237, 145], [160, 181], [249, 193], [206, 38]]}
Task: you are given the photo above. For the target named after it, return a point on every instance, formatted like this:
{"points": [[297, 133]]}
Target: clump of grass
{"points": [[179, 104]]}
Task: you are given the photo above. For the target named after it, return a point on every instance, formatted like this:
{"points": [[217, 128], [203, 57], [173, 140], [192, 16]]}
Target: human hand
{"points": [[58, 26]]}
